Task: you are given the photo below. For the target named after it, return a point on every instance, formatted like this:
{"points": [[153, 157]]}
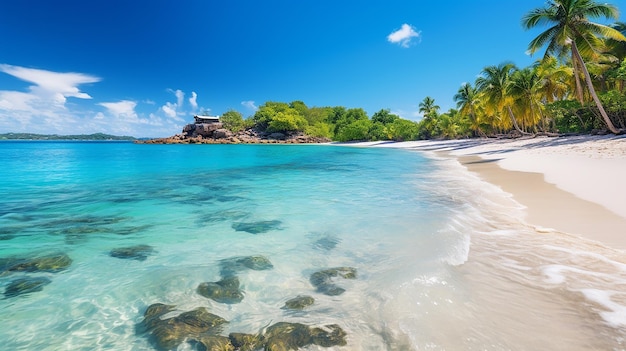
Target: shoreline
{"points": [[566, 184]]}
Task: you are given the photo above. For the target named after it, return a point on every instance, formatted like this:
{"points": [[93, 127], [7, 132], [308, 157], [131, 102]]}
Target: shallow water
{"points": [[443, 260]]}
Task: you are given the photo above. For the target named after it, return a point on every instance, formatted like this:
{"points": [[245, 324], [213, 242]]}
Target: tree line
{"points": [[577, 87]]}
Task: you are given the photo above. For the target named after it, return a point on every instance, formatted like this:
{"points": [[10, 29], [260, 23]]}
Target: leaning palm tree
{"points": [[493, 85], [571, 28]]}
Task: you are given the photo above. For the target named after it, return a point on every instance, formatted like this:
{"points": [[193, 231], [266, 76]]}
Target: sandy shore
{"points": [[568, 184]]}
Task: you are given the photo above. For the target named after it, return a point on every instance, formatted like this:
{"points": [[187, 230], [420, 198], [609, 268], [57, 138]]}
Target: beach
{"points": [[566, 184]]}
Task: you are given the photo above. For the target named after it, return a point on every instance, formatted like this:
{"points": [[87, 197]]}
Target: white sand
{"points": [[591, 168]]}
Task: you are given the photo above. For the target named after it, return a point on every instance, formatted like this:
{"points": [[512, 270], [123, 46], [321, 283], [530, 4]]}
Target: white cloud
{"points": [[250, 104], [41, 108], [193, 101], [47, 106], [169, 109], [404, 35], [180, 96], [124, 109], [51, 86]]}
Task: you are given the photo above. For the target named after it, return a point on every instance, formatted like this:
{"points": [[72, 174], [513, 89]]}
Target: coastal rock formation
{"points": [[203, 329], [25, 286], [137, 252], [323, 280], [214, 134]]}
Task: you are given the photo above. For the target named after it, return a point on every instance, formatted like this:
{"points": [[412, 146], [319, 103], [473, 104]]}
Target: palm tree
{"points": [[467, 101], [493, 86], [428, 107], [556, 78], [571, 28], [525, 88]]}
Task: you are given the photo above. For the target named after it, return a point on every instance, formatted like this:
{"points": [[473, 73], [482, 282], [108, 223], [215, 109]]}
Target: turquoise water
{"points": [[404, 221]]}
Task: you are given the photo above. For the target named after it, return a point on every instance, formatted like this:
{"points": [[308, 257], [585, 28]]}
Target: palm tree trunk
{"points": [[592, 91], [579, 87], [515, 122]]}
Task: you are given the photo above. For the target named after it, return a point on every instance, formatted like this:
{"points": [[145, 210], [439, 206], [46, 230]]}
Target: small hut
{"points": [[206, 119]]}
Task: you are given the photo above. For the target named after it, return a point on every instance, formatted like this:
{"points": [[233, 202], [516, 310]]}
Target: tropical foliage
{"points": [[578, 85]]}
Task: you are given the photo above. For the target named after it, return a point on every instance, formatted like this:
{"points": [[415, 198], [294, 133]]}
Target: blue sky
{"points": [[144, 67]]}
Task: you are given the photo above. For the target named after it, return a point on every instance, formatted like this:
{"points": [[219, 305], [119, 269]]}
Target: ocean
{"points": [[440, 260]]}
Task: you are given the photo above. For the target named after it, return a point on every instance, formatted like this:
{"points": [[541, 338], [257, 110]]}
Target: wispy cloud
{"points": [[45, 106], [193, 101], [124, 109], [404, 36], [174, 110], [249, 104], [52, 86]]}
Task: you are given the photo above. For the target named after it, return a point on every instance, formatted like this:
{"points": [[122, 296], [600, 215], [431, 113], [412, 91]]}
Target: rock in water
{"points": [[299, 303], [246, 342], [52, 263], [25, 286], [198, 324], [224, 291], [257, 227], [285, 336], [323, 280], [137, 252], [231, 266], [215, 343]]}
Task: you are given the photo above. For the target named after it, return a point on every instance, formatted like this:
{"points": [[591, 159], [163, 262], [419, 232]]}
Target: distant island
{"points": [[91, 137]]}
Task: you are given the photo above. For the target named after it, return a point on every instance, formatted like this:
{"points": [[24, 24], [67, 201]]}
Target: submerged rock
{"points": [[224, 291], [299, 303], [137, 252], [285, 336], [256, 227], [215, 343], [202, 330], [25, 286], [198, 324], [326, 243], [246, 342], [323, 280], [51, 263], [231, 266], [221, 216]]}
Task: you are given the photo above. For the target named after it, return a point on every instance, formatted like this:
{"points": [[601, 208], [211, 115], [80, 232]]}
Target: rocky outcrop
{"points": [[214, 133], [203, 329]]}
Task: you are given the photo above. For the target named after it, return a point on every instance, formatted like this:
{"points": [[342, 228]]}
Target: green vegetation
{"points": [[335, 123], [577, 87], [90, 137]]}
